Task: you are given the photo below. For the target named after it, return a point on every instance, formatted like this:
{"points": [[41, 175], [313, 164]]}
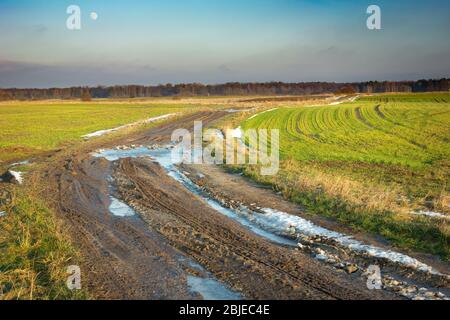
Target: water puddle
{"points": [[207, 286], [211, 289]]}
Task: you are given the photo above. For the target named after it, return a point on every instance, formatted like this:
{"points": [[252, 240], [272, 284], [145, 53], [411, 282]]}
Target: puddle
{"points": [[208, 287], [120, 209], [116, 154], [211, 289]]}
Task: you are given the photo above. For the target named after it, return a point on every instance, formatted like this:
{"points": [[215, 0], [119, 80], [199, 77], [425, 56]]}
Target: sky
{"points": [[152, 42]]}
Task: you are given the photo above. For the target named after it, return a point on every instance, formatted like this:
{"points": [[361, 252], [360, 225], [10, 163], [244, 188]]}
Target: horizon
{"points": [[195, 41], [223, 83]]}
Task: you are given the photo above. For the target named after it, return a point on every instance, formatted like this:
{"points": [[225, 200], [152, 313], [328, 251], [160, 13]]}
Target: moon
{"points": [[94, 16]]}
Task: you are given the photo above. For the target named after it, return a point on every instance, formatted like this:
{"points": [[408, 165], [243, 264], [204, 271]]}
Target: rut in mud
{"points": [[151, 255]]}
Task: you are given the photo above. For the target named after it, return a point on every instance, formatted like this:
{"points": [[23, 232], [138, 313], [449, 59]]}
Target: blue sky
{"points": [[151, 42]]}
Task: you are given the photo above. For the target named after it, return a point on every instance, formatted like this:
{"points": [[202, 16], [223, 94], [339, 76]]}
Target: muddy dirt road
{"points": [[171, 243]]}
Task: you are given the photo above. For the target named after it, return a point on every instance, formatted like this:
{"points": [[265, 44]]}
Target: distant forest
{"points": [[227, 89]]}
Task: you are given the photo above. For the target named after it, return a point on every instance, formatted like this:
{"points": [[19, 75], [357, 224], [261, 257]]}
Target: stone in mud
{"points": [[5, 198], [352, 268]]}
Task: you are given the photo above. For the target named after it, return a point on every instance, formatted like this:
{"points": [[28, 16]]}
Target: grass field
{"points": [[383, 129], [29, 128], [369, 164], [34, 251]]}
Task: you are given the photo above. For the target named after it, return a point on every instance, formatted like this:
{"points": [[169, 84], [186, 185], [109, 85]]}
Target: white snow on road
{"points": [[281, 222], [258, 114], [17, 175], [108, 131]]}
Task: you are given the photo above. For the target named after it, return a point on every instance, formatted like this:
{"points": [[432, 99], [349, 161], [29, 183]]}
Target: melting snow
{"points": [[258, 114], [237, 110], [432, 214], [107, 131], [21, 163], [282, 222], [274, 225], [237, 133], [17, 175], [352, 99], [120, 209]]}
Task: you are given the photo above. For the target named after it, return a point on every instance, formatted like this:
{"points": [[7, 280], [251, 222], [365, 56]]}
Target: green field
{"points": [[401, 130], [368, 164], [29, 128]]}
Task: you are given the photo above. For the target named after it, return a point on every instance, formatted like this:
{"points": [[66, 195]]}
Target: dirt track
{"points": [[144, 257]]}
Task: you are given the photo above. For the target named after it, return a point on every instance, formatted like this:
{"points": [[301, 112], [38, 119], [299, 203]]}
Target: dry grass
{"points": [[34, 251]]}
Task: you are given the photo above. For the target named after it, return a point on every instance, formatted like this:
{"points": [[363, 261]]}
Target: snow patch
{"points": [[237, 110], [431, 214], [258, 114], [120, 209], [352, 99], [21, 163], [17, 175], [237, 133], [108, 131], [281, 222]]}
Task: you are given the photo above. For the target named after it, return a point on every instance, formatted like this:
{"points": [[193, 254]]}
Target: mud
{"points": [[153, 254]]}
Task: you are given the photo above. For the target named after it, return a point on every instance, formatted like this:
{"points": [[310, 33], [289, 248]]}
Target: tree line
{"points": [[226, 89]]}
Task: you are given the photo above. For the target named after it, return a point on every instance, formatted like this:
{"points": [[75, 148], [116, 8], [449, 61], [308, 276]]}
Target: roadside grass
{"points": [[372, 209], [34, 252], [28, 128], [367, 164]]}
